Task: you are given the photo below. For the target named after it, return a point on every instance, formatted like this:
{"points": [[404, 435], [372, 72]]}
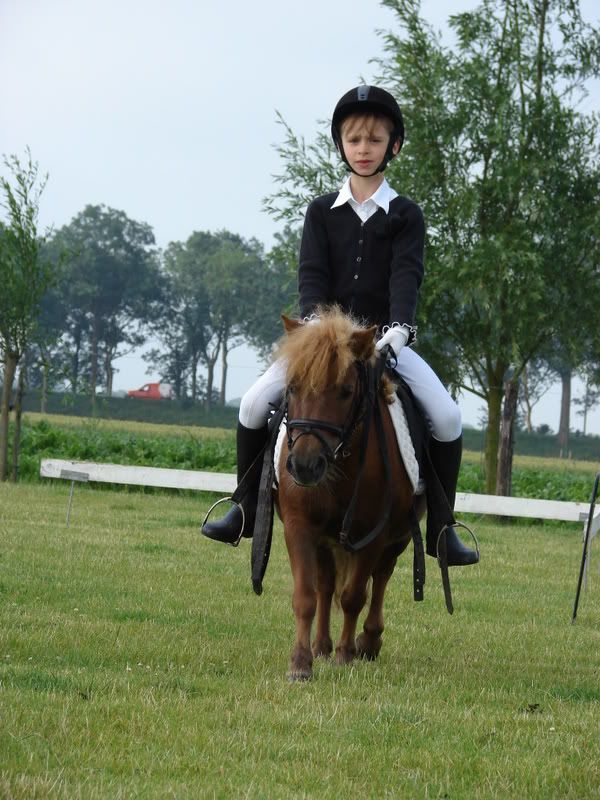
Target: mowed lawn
{"points": [[135, 661]]}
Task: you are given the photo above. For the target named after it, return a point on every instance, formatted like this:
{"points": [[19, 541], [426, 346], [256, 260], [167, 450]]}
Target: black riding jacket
{"points": [[371, 269]]}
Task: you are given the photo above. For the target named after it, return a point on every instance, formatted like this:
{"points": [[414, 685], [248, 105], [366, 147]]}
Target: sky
{"points": [[168, 111]]}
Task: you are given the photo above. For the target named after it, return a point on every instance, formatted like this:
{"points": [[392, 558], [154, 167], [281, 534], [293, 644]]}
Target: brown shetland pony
{"points": [[315, 487]]}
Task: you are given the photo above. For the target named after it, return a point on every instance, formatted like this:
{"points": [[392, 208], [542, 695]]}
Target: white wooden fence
{"points": [[138, 476], [225, 482]]}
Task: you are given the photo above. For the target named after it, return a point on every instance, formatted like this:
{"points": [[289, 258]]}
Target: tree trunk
{"points": [[194, 377], [18, 415], [75, 361], [495, 380], [210, 377], [110, 374], [492, 438], [565, 410], [527, 401], [44, 395], [178, 374], [10, 367], [507, 427], [94, 366], [224, 354]]}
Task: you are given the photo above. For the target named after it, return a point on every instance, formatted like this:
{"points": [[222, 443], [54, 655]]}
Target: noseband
{"points": [[344, 433]]}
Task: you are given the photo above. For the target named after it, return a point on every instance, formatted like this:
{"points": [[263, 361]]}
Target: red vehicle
{"points": [[153, 391]]}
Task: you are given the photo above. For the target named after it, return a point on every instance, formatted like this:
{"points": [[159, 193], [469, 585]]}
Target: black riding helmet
{"points": [[368, 100]]}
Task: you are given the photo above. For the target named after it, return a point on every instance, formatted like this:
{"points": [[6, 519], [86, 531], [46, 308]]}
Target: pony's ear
{"points": [[363, 343], [290, 324]]}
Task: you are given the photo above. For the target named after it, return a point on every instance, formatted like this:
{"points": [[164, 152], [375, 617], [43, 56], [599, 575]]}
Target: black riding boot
{"points": [[249, 444], [445, 457]]}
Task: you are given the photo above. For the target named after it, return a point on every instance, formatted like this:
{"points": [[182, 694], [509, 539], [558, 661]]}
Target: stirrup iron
{"points": [[232, 501], [455, 525]]}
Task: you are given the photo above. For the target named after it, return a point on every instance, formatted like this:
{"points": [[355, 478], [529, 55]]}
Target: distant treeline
{"points": [[166, 412]]}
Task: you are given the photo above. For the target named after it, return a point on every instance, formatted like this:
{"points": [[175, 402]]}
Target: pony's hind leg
{"points": [[353, 599], [368, 644], [322, 644]]}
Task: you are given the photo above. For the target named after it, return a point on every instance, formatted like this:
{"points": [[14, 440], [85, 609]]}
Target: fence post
{"points": [[586, 541]]}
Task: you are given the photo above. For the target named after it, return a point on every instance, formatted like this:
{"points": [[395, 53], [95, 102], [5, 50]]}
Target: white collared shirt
{"points": [[381, 198]]}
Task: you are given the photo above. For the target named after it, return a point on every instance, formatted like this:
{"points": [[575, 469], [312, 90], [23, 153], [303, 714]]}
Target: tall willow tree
{"points": [[506, 169]]}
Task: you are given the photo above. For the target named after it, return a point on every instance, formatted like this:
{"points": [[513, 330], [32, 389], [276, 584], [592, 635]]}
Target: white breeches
{"points": [[442, 413]]}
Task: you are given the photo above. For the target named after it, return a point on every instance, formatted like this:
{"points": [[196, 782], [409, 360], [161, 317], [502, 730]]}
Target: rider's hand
{"points": [[396, 337]]}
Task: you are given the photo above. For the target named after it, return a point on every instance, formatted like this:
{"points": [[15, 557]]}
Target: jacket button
{"points": [[356, 277]]}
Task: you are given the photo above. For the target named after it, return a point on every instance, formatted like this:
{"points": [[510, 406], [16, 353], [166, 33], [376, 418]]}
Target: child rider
{"points": [[362, 248]]}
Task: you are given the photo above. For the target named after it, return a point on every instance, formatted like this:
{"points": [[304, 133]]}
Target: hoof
{"points": [[344, 655], [299, 675], [367, 647], [322, 649], [300, 665]]}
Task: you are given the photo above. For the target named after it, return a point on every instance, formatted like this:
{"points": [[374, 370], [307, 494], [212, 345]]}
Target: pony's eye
{"points": [[291, 388], [345, 392]]}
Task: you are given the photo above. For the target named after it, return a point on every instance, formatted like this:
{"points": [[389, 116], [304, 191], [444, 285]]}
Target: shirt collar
{"points": [[381, 197]]}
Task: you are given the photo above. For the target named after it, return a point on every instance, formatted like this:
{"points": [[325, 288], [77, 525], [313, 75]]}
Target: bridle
{"points": [[344, 432]]}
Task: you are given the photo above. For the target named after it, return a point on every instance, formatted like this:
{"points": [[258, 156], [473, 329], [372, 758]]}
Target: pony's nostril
{"points": [[321, 465]]}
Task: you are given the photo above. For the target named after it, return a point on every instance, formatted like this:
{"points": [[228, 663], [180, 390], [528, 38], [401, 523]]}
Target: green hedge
{"points": [[90, 442], [553, 483]]}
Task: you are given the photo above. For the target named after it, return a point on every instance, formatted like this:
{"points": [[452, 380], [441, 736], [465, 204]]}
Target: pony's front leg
{"points": [[322, 645], [303, 561], [352, 601]]}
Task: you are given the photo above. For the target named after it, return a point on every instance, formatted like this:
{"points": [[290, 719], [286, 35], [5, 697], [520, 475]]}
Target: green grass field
{"points": [[135, 661]]}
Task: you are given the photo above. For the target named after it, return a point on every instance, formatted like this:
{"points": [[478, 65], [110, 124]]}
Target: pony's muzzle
{"points": [[307, 469]]}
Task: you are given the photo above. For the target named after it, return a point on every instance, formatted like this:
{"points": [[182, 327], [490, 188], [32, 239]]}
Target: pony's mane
{"points": [[319, 355]]}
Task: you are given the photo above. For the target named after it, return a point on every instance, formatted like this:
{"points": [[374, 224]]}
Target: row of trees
{"points": [[74, 301], [508, 172], [113, 290]]}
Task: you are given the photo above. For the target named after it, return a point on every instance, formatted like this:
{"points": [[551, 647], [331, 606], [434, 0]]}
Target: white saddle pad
{"points": [[405, 445]]}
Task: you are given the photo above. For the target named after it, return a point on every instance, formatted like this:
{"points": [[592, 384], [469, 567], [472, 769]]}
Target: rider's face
{"points": [[365, 140]]}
